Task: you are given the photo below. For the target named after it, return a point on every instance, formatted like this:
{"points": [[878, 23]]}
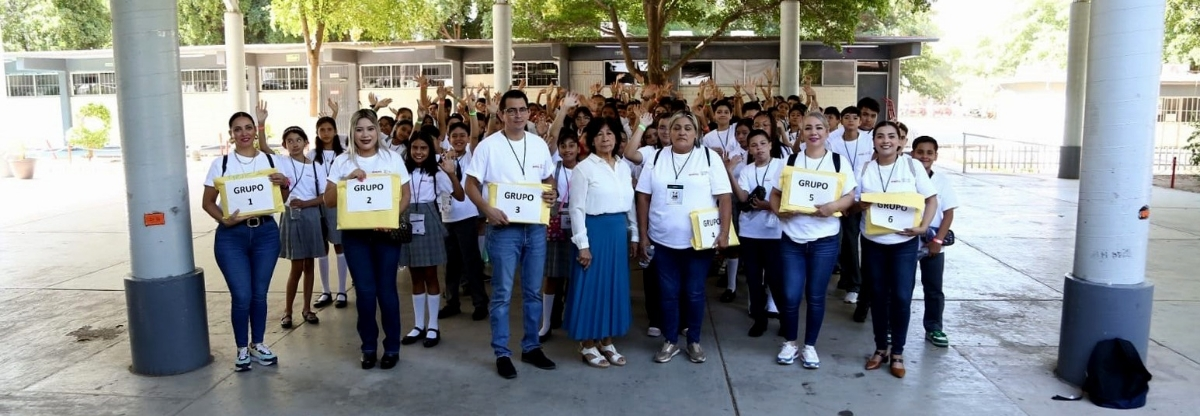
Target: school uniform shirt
{"points": [[398, 149], [596, 188], [306, 179], [947, 199], [562, 182], [327, 158], [725, 140], [647, 153], [424, 188], [759, 223], [905, 175], [461, 210], [500, 160], [858, 151], [238, 165], [679, 184], [383, 161], [805, 228]]}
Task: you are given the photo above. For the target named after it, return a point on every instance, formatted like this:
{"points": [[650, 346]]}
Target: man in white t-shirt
{"points": [[933, 260], [513, 156]]}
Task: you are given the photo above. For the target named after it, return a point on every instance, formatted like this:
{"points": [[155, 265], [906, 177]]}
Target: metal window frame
{"points": [[521, 75], [100, 78], [184, 83], [399, 75], [289, 79]]}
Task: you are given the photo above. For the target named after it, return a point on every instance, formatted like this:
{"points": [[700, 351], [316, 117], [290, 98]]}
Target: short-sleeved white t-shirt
{"points": [[946, 197], [758, 223], [500, 160], [725, 140], [326, 165], [383, 161], [461, 210], [423, 189], [905, 175], [858, 151], [307, 179], [694, 178], [807, 228], [237, 165]]}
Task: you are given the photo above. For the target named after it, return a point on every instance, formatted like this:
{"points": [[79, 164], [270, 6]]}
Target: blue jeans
{"points": [[807, 269], [508, 246], [682, 272], [760, 259], [893, 275], [932, 268], [247, 257], [373, 260]]}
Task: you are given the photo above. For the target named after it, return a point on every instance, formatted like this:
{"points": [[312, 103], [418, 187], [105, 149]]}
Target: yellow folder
{"points": [[908, 199], [277, 195], [698, 228], [785, 187], [369, 220], [542, 217]]}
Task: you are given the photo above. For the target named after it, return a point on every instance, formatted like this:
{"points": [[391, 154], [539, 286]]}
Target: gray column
{"points": [[1107, 295], [502, 51], [235, 56], [456, 77], [789, 48], [1077, 46], [64, 104], [893, 92], [251, 74], [164, 294]]}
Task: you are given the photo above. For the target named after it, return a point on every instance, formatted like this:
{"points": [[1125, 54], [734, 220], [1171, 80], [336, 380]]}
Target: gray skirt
{"points": [[428, 249], [300, 237], [333, 235], [559, 259]]}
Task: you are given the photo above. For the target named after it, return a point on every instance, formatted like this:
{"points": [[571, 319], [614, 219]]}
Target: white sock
{"points": [[323, 267], [419, 310], [341, 266], [433, 302], [547, 310], [771, 303], [731, 274]]}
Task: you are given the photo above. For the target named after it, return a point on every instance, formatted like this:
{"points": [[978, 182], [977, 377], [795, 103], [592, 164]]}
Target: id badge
{"points": [[675, 195], [418, 223], [564, 217]]}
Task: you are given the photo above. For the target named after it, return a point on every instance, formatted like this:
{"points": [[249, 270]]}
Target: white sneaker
{"points": [[263, 355], [788, 353], [851, 297], [809, 358], [654, 332], [243, 360]]}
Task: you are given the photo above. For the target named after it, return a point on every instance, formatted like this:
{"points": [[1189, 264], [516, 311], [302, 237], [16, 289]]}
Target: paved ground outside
{"points": [[64, 253]]}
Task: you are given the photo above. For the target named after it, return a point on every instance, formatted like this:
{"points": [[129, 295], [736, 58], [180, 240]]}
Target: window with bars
{"points": [[1179, 109], [203, 80], [93, 83], [285, 78], [535, 74], [402, 75], [32, 85]]}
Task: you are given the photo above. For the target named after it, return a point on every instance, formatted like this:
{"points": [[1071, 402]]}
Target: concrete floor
{"points": [[64, 252]]}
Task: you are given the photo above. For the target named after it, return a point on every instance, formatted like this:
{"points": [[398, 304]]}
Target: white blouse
{"points": [[598, 188]]}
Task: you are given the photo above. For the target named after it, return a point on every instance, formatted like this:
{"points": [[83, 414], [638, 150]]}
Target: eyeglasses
{"points": [[516, 110]]}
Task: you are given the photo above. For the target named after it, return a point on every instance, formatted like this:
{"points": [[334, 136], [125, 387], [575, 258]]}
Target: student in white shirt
{"points": [[933, 259], [373, 255], [559, 260], [766, 121], [721, 139], [810, 245], [246, 247], [462, 223], [677, 181], [893, 257], [758, 227], [732, 256], [329, 146], [834, 118], [300, 232], [856, 147], [795, 118], [603, 235], [513, 156], [398, 140], [427, 250]]}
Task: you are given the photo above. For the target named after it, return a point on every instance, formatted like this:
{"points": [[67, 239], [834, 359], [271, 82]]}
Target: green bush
{"points": [[91, 132], [1194, 143]]}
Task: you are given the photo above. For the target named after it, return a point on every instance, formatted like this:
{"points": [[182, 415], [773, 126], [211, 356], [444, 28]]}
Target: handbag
{"points": [[402, 235], [931, 233]]}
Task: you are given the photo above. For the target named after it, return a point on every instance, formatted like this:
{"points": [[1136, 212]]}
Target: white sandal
{"points": [[597, 360], [610, 352]]}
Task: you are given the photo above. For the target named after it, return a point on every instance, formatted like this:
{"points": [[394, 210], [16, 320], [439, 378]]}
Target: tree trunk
{"points": [[654, 45], [314, 72]]}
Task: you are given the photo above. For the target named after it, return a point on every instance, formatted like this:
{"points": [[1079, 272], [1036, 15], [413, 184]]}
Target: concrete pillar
{"points": [[502, 51], [251, 74], [457, 77], [164, 294], [1077, 53], [235, 56], [64, 103], [789, 48], [1107, 295], [893, 92]]}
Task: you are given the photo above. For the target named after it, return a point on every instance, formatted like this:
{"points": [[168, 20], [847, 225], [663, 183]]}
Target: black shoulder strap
{"points": [[271, 160], [224, 163], [837, 162], [707, 156], [316, 183], [792, 159], [656, 155]]}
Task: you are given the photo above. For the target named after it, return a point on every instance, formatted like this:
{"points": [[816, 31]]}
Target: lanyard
{"points": [[415, 183], [524, 151], [679, 170], [299, 174], [724, 141], [893, 172], [766, 170], [852, 156], [819, 164]]}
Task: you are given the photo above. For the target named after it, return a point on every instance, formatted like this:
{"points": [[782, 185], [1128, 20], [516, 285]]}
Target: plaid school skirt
{"points": [[428, 249], [300, 237]]}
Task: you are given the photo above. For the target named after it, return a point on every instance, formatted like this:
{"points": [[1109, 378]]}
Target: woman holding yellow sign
{"points": [[815, 187], [247, 237], [899, 204], [367, 186], [679, 181]]}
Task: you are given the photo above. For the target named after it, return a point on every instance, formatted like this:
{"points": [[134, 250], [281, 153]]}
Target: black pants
{"points": [[848, 259], [462, 251], [652, 289]]}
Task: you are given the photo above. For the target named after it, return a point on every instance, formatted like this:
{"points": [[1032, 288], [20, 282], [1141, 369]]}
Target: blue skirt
{"points": [[597, 303]]}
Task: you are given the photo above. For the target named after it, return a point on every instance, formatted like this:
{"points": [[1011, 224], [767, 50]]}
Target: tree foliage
{"points": [[95, 123], [1182, 43], [202, 22], [1038, 39], [933, 74], [48, 25]]}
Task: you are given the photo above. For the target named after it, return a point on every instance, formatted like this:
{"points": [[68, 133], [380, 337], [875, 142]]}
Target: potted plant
{"points": [[21, 166], [95, 122]]}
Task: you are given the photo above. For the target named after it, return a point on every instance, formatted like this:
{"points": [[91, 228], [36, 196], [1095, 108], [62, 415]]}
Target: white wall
{"points": [[31, 120]]}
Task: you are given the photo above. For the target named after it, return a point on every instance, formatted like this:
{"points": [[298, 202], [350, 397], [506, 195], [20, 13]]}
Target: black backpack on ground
{"points": [[1116, 377]]}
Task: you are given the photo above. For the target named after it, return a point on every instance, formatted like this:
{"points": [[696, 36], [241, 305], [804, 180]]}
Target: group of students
{"points": [[621, 186]]}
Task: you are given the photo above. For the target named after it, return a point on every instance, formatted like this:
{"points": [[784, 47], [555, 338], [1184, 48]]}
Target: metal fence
{"points": [[981, 153]]}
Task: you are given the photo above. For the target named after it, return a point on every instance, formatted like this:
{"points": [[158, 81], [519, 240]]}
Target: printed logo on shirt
{"points": [[536, 167]]}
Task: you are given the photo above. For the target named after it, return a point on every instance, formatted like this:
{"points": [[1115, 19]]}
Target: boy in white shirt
{"points": [[932, 261], [857, 148]]}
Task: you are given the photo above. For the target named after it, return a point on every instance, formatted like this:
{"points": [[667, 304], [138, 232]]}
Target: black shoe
{"points": [[479, 314], [324, 300], [432, 342], [389, 361], [341, 301], [543, 338], [538, 359], [449, 311], [773, 315], [505, 368], [860, 312], [728, 296], [412, 339], [759, 328], [368, 361]]}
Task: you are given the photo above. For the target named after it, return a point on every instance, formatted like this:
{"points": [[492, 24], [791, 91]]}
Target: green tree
{"points": [[933, 74], [91, 133], [202, 22], [1182, 43], [1038, 39], [44, 25]]}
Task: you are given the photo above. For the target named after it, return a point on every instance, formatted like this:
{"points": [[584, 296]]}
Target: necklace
{"points": [[245, 164], [525, 151]]}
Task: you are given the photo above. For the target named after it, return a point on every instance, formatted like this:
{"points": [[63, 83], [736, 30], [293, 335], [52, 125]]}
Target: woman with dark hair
{"points": [[329, 147], [767, 122], [604, 233], [246, 247], [300, 231]]}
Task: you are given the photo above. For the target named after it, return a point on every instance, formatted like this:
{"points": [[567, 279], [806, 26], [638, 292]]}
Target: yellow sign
{"points": [[249, 194]]}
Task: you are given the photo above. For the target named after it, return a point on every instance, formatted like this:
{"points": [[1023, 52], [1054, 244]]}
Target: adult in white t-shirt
{"points": [[246, 246], [513, 156], [933, 260], [893, 256], [809, 248], [373, 255], [678, 180], [462, 224]]}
